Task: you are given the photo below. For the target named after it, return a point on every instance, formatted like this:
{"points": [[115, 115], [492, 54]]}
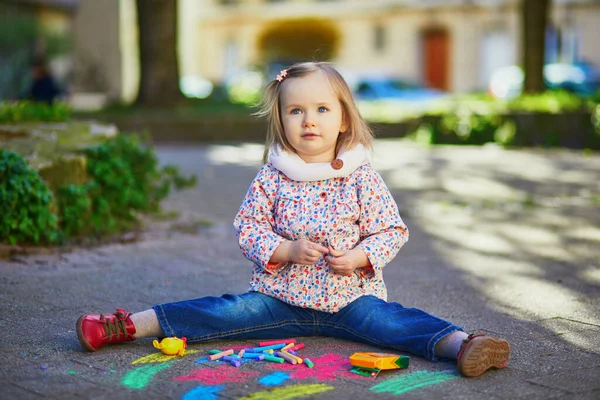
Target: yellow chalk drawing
{"points": [[159, 358], [288, 392]]}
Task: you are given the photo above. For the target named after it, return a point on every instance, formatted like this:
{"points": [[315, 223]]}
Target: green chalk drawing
{"points": [[415, 380], [289, 392], [139, 378]]}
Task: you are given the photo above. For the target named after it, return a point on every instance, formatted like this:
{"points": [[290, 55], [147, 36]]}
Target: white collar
{"points": [[297, 169]]}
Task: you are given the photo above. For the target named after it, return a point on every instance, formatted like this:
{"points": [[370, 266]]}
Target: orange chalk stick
{"points": [[221, 354]]}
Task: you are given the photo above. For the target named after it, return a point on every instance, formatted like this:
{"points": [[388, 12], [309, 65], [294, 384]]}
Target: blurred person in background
{"points": [[43, 87]]}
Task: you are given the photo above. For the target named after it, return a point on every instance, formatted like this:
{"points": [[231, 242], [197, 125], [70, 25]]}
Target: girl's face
{"points": [[312, 116]]}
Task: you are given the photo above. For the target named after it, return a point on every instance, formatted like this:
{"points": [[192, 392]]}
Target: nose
{"points": [[308, 122]]}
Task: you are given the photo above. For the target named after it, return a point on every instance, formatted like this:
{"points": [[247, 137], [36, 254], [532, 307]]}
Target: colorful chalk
{"points": [[379, 361], [271, 347], [255, 356], [297, 347], [287, 346], [241, 353], [214, 351], [289, 358], [298, 359], [270, 351], [221, 354], [274, 359], [292, 352], [270, 342], [308, 363]]}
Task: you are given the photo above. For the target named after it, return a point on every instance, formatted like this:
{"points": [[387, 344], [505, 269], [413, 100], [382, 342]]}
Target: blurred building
{"points": [[448, 44]]}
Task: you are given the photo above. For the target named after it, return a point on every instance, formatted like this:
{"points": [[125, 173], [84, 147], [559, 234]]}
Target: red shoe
{"points": [[96, 330], [478, 353]]}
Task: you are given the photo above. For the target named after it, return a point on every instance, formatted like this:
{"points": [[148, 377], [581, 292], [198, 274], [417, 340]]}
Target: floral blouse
{"points": [[357, 210]]}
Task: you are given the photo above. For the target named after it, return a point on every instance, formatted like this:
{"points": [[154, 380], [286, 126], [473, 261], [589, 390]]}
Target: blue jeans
{"points": [[255, 315]]}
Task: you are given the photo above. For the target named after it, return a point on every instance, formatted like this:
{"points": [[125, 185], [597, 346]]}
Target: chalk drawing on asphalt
{"points": [[415, 380]]}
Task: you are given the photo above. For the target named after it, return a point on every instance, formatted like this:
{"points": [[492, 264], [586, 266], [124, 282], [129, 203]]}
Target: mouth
{"points": [[308, 135]]}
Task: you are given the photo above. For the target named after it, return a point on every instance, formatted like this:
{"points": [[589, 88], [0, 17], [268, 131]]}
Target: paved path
{"points": [[504, 242]]}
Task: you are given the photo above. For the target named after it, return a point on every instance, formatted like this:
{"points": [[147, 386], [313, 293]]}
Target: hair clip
{"points": [[282, 74]]}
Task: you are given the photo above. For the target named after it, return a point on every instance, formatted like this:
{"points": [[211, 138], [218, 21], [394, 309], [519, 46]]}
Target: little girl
{"points": [[319, 225]]}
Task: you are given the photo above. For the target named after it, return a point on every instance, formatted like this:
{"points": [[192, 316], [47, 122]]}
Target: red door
{"points": [[436, 53]]}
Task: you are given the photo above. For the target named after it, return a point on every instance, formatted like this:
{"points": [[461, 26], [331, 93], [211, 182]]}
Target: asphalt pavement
{"points": [[501, 242]]}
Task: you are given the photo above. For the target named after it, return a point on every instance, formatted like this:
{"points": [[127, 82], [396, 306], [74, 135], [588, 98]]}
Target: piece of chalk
{"points": [[270, 342], [270, 351], [235, 363], [241, 353], [289, 358], [274, 359], [256, 356], [230, 358], [288, 346], [214, 351], [297, 347], [292, 352], [298, 359], [308, 363], [221, 354], [271, 347]]}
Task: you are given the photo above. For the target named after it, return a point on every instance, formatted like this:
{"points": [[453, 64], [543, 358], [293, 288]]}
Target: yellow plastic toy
{"points": [[379, 361], [171, 346]]}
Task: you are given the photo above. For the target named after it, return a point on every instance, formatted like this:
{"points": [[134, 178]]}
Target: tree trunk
{"points": [[159, 80], [534, 18]]}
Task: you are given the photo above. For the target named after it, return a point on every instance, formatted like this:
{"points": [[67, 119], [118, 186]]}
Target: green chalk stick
{"points": [[214, 351], [308, 363], [274, 359]]}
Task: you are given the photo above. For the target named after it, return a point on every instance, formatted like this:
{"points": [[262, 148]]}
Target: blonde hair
{"points": [[357, 132]]}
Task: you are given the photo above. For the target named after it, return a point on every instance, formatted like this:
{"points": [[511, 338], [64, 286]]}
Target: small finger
{"points": [[319, 248], [334, 252]]}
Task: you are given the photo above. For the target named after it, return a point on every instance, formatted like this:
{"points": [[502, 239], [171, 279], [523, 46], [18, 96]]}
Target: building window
{"points": [[379, 38]]}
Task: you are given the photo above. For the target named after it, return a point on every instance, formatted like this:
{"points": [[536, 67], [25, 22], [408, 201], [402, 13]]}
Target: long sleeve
{"points": [[255, 219], [382, 231]]}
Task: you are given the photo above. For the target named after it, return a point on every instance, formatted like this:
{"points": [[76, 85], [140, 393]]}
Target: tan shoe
{"points": [[478, 353]]}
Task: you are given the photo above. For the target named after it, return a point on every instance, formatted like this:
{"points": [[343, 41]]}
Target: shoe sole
{"points": [[80, 336], [484, 353]]}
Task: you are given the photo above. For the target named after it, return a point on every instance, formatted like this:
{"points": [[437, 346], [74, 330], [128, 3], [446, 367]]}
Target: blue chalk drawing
{"points": [[276, 378], [203, 393]]}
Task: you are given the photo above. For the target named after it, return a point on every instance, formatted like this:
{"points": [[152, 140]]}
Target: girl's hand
{"points": [[305, 252], [344, 263]]}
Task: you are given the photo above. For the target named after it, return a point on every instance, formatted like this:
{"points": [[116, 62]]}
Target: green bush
{"points": [[552, 118], [551, 101], [124, 180], [29, 111], [26, 203]]}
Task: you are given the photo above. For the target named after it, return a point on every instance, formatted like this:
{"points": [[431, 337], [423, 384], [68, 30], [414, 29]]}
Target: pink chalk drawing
{"points": [[221, 374], [326, 368]]}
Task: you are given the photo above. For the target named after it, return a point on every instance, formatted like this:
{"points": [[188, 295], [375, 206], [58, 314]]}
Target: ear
{"points": [[344, 126]]}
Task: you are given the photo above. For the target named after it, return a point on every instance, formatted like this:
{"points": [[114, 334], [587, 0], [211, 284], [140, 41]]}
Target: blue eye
{"points": [[295, 111], [323, 109]]}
